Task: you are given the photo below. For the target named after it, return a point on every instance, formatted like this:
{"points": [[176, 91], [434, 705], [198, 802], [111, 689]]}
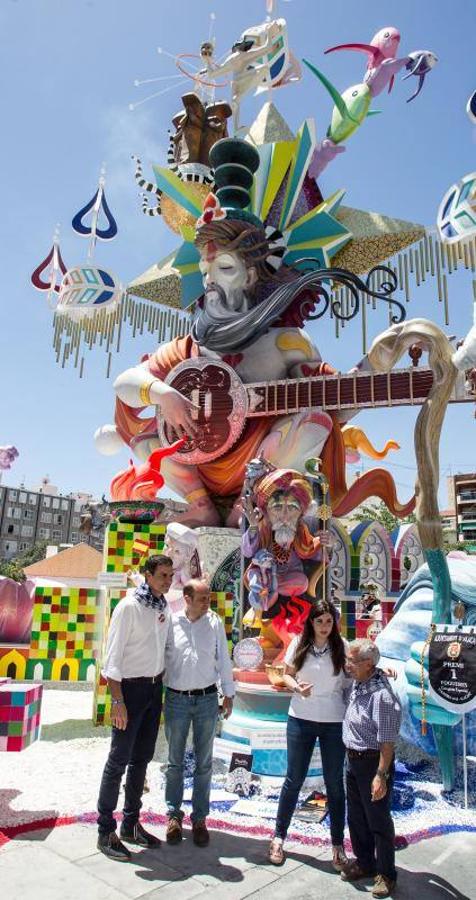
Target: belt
{"points": [[147, 679], [197, 692], [358, 754]]}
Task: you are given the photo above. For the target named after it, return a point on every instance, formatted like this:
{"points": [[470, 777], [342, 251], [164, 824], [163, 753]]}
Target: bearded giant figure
{"points": [[246, 336]]}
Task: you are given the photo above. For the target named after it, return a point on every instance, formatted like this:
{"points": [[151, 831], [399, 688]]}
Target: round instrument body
{"points": [[223, 402]]}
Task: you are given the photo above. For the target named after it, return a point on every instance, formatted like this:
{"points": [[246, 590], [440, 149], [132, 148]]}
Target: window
{"points": [[10, 547], [64, 504], [44, 533], [56, 534], [74, 537], [24, 545], [28, 514], [58, 519], [32, 499], [47, 502], [75, 521], [56, 503], [13, 495], [13, 512], [13, 529], [22, 497], [46, 517], [27, 531]]}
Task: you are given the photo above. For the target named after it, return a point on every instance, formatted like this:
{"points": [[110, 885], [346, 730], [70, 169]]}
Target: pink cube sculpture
{"points": [[20, 708]]}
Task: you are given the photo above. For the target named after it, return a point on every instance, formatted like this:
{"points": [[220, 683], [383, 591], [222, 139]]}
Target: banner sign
{"points": [[452, 667]]}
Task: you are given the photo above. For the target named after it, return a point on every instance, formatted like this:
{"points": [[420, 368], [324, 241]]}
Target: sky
{"points": [[67, 72]]}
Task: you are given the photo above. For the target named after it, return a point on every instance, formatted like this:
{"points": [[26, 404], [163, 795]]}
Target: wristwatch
{"points": [[116, 702], [383, 774]]}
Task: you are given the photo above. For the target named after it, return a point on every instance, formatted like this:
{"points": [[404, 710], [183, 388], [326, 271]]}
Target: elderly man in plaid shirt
{"points": [[371, 727]]}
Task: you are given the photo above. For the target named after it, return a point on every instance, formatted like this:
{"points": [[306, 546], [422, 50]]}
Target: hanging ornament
{"points": [[87, 289], [54, 268]]}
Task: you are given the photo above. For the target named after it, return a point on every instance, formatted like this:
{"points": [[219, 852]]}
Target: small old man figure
{"points": [[371, 727]]}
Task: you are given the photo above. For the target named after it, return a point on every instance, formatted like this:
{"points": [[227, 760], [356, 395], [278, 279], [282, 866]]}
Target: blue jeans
{"points": [[301, 740], [181, 712]]}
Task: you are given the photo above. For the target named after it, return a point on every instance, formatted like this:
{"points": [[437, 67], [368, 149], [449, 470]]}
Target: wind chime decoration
{"points": [[90, 304]]}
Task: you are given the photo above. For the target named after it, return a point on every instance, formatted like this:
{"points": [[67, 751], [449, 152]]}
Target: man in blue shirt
{"points": [[196, 658], [370, 729]]}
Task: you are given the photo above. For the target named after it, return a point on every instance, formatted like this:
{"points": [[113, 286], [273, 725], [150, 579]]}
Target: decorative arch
{"points": [[340, 561], [374, 551], [407, 549], [13, 665], [65, 670]]}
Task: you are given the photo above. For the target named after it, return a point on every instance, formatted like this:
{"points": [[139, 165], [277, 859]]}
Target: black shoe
{"points": [[138, 835], [110, 845]]}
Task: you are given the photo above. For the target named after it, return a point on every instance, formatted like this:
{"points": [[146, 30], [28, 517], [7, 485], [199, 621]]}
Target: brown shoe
{"points": [[200, 833], [383, 886], [339, 858], [352, 872], [276, 855], [173, 834]]}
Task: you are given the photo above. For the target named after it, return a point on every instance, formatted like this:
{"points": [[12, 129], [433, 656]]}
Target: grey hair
{"points": [[366, 649]]}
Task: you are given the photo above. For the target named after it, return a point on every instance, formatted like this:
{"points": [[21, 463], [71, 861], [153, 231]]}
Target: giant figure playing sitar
{"points": [[247, 380]]}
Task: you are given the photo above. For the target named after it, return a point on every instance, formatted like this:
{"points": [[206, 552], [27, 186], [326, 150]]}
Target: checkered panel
{"points": [[65, 623], [347, 618], [120, 552]]}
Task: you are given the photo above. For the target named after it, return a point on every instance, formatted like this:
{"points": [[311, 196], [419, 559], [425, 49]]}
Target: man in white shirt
{"points": [[133, 666], [196, 658]]}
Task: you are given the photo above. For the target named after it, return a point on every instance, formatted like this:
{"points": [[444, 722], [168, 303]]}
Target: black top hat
{"points": [[234, 162]]}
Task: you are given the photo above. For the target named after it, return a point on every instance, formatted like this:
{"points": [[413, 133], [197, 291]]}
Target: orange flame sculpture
{"points": [[144, 481]]}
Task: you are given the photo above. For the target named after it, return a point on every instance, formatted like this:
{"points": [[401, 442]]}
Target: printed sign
{"points": [[239, 774], [113, 579], [248, 654], [452, 668]]}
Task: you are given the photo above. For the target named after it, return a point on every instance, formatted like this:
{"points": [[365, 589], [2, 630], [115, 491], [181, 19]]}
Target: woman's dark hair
{"points": [[306, 641]]}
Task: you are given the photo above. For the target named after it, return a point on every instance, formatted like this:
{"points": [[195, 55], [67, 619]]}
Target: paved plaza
{"points": [[63, 864]]}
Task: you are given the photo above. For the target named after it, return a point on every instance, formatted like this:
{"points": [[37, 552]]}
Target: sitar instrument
{"points": [[225, 403]]}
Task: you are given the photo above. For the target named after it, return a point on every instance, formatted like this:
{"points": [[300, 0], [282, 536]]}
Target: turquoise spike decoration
{"points": [[177, 190], [187, 262], [306, 143]]}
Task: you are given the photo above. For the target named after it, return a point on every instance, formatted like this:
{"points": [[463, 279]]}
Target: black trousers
{"points": [[370, 822], [132, 749]]}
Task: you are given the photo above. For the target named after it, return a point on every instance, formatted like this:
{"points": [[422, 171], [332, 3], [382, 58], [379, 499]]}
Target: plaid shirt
{"points": [[373, 715]]}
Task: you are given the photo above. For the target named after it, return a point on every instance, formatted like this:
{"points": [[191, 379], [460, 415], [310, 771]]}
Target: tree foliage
{"points": [[13, 568], [380, 513]]}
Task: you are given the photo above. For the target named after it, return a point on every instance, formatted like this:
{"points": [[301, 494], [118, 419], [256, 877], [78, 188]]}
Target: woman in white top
{"points": [[315, 673]]}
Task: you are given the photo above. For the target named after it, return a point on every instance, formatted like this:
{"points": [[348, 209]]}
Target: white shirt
{"points": [[196, 654], [326, 702], [136, 640]]}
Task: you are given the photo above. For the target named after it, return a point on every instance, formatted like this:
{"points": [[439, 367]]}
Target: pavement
{"points": [[63, 863]]}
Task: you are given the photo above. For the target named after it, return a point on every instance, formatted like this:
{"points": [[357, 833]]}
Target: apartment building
{"points": [[462, 493], [30, 516]]}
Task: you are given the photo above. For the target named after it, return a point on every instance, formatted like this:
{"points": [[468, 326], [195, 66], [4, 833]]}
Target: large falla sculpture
{"points": [[263, 253]]}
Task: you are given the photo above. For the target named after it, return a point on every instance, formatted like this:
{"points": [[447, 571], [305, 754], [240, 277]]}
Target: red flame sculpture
{"points": [[143, 482]]}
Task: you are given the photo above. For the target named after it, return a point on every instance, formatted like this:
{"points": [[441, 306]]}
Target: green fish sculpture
{"points": [[351, 107]]}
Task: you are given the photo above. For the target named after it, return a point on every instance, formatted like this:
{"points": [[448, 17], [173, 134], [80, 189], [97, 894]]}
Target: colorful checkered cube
{"points": [[20, 708]]}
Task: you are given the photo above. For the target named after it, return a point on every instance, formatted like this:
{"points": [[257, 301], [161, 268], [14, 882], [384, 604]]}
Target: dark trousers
{"points": [[301, 740], [132, 748], [370, 822]]}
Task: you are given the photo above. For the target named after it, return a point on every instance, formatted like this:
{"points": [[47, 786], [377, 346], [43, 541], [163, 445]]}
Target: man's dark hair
{"points": [[159, 559], [194, 583]]}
